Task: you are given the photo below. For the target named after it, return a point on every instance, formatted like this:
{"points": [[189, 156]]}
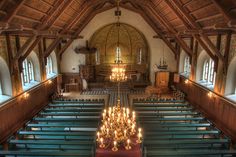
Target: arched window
{"points": [[28, 72], [49, 66], [97, 57], [118, 53], [208, 71], [140, 56], [187, 67]]}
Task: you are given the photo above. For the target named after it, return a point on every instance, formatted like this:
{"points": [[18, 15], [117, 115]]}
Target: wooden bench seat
{"points": [[81, 118], [153, 113], [58, 133], [143, 119], [159, 101], [192, 132], [159, 105], [190, 153], [60, 129], [70, 114], [79, 153], [211, 142], [52, 144], [161, 109], [63, 125], [76, 105], [72, 110], [148, 125]]}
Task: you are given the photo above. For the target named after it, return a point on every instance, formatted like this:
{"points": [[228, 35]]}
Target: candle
{"points": [[98, 134], [115, 146], [103, 116], [139, 138], [128, 145], [101, 143], [139, 130], [125, 131]]}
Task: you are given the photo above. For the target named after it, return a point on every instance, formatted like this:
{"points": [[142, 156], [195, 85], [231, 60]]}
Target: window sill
{"points": [[206, 84], [4, 98], [231, 97], [185, 74], [51, 75], [30, 85]]}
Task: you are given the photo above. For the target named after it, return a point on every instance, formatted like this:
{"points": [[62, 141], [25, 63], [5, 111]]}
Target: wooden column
{"points": [[14, 68], [222, 69], [42, 61], [194, 61]]}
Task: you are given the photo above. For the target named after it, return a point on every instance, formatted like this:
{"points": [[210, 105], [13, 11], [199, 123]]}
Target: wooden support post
{"points": [[42, 61], [194, 61], [14, 69]]}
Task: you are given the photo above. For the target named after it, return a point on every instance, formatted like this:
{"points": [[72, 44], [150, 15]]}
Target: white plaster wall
{"points": [[183, 54], [70, 59], [200, 62]]}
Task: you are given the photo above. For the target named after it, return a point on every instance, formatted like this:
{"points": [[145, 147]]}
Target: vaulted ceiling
{"points": [[171, 19], [70, 16]]}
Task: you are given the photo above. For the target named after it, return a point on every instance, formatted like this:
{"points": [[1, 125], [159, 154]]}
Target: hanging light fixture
{"points": [[118, 127]]}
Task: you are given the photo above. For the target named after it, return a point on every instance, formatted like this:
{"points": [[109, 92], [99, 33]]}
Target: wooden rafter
{"points": [[197, 26], [223, 11], [13, 11], [51, 47], [67, 3], [171, 29], [31, 47], [51, 13], [24, 48]]}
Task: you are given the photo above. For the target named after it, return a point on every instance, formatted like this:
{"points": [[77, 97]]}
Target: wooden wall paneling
{"points": [[219, 110], [23, 108]]}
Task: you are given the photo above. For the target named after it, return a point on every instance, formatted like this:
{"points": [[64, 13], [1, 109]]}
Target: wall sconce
{"points": [[210, 94], [49, 81], [186, 81], [26, 95]]}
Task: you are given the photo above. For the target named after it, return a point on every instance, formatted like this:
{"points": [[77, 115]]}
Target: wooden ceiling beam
{"points": [[171, 29], [51, 13], [31, 47], [35, 10], [84, 7], [204, 46], [52, 46], [208, 17], [223, 11], [197, 26], [13, 11], [46, 3], [200, 9], [140, 10], [66, 4], [28, 19], [24, 48]]}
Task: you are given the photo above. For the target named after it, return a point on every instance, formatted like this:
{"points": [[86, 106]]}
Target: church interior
{"points": [[117, 78]]}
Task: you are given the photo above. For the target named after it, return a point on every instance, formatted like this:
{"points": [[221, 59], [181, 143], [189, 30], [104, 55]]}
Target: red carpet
{"points": [[134, 152]]}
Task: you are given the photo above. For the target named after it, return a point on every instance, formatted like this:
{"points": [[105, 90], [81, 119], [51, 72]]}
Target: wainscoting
{"points": [[221, 111], [18, 110]]}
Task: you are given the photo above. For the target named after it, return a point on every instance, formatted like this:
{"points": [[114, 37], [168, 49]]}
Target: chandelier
{"points": [[118, 127], [118, 74]]}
